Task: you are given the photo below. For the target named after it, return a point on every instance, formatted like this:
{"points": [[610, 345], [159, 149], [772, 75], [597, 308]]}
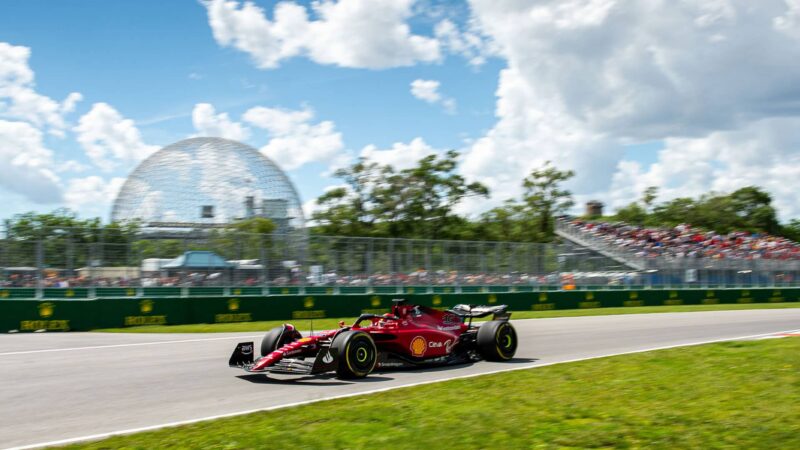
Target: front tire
{"points": [[357, 354], [277, 338], [497, 340]]}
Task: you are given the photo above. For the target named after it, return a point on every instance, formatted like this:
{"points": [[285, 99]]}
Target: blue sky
{"points": [[628, 95]]}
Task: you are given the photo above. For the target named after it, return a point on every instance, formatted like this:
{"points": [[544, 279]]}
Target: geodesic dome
{"points": [[208, 181]]}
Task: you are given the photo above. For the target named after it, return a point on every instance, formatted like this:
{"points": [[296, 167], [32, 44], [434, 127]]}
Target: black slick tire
{"points": [[497, 340], [357, 354], [277, 338]]}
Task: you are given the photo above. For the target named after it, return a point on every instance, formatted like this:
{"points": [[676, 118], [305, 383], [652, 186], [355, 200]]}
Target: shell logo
{"points": [[308, 302], [146, 306], [46, 309], [233, 304], [418, 346], [375, 302], [437, 300]]}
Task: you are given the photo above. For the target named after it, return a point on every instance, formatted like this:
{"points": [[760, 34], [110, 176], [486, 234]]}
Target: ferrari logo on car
{"points": [[418, 346]]}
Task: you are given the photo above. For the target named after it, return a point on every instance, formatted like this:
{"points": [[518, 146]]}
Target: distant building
{"points": [[208, 183], [594, 208]]}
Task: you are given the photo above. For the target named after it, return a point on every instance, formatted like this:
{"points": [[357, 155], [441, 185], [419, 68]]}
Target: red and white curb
{"points": [[782, 334]]}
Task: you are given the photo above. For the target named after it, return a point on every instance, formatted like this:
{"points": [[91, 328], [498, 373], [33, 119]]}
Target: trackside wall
{"points": [[82, 314]]}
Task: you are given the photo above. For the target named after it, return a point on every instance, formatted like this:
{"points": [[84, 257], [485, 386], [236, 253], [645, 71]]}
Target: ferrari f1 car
{"points": [[411, 336]]}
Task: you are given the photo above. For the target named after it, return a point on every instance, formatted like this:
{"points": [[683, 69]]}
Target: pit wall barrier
{"points": [[83, 314]]}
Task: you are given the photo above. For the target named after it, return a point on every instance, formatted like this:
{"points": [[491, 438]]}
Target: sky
{"points": [[690, 96]]}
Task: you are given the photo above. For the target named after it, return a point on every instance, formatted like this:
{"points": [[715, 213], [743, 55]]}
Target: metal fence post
{"points": [[39, 269]]}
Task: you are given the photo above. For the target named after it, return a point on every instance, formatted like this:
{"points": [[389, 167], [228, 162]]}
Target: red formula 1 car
{"points": [[411, 336]]}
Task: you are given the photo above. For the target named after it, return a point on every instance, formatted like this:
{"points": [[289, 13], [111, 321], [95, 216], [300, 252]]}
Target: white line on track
{"points": [[137, 344], [99, 436]]}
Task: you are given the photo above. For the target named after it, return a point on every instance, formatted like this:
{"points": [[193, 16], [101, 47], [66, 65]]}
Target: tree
{"points": [[544, 196], [351, 210], [417, 202], [649, 196], [428, 194], [633, 213], [674, 212], [754, 208], [243, 239], [66, 240], [792, 230], [507, 223]]}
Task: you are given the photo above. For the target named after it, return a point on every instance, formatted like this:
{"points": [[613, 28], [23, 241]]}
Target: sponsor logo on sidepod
{"points": [[247, 349], [448, 345], [418, 346]]}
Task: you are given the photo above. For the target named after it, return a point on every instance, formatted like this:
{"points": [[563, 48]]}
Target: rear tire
{"points": [[357, 354], [497, 340], [277, 338]]}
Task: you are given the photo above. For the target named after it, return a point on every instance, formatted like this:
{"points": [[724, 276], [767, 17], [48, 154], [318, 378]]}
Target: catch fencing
{"points": [[66, 263]]}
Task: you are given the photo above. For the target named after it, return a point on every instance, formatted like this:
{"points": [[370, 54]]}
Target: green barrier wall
{"points": [[80, 315]]}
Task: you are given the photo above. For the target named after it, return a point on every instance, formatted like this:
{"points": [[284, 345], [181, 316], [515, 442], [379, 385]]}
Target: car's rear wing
{"points": [[477, 311]]}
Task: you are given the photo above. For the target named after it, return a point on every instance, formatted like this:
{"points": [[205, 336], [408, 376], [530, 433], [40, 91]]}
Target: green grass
{"points": [[728, 395], [322, 324]]}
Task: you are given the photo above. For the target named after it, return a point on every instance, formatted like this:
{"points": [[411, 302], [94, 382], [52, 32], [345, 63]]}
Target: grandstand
{"points": [[683, 254]]}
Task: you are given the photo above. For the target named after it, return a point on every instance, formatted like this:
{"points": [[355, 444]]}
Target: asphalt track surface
{"points": [[58, 387]]}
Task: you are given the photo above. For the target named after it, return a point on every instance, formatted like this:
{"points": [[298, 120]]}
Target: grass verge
{"points": [[322, 324], [727, 395]]}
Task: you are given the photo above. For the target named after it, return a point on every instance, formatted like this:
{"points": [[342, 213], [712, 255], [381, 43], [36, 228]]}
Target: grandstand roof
{"points": [[198, 260]]}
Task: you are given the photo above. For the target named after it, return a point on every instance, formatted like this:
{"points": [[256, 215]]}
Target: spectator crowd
{"points": [[683, 241]]}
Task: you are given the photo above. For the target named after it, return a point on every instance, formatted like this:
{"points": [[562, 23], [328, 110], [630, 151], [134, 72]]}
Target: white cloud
{"points": [[428, 91], [348, 33], [789, 23], [294, 140], [763, 153], [400, 155], [92, 195], [209, 124], [26, 164], [108, 138], [584, 78], [19, 100], [470, 44]]}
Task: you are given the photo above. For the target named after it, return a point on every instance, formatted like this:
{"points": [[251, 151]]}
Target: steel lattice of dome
{"points": [[206, 182]]}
